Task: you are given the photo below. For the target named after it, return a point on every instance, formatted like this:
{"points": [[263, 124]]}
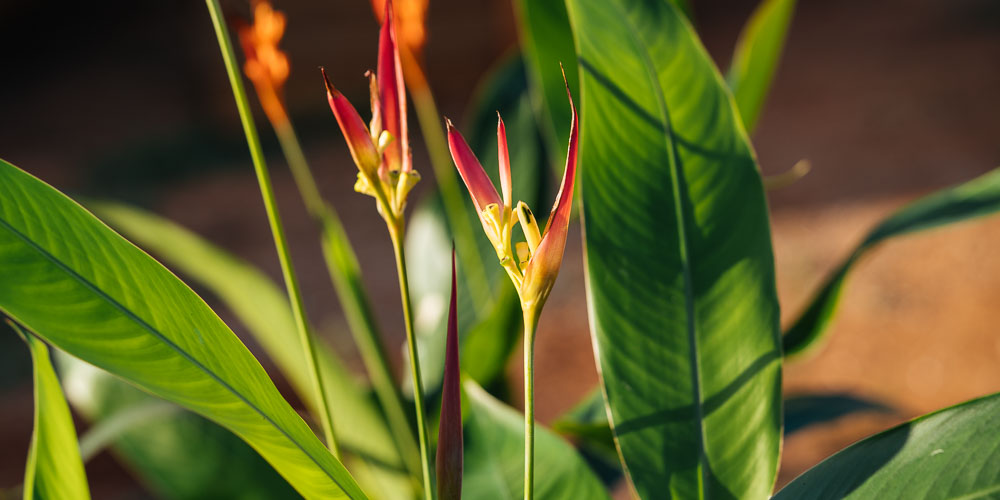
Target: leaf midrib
{"points": [[156, 333], [675, 175]]}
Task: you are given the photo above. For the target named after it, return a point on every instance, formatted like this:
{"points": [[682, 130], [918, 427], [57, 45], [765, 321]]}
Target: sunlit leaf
{"points": [[54, 468], [951, 454], [681, 285], [975, 198], [494, 456], [756, 57], [86, 290], [263, 307]]}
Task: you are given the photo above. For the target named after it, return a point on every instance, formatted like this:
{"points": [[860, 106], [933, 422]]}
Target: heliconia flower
{"points": [[534, 263], [392, 96], [266, 65], [381, 150], [479, 184], [540, 273], [449, 451], [359, 140]]}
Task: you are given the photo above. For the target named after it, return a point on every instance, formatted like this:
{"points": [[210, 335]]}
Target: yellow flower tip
{"points": [[523, 252], [529, 226], [384, 139]]}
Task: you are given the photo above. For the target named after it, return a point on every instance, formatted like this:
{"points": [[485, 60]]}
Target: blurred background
{"points": [[888, 100]]}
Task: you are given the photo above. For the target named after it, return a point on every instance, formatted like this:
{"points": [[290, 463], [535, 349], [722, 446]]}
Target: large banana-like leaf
{"points": [[952, 454], [680, 269], [756, 57], [175, 453], [494, 456], [88, 291], [975, 198], [54, 468], [260, 305]]}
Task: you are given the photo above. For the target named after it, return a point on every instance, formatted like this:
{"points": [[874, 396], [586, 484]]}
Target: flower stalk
{"points": [[274, 220], [267, 68], [381, 151]]}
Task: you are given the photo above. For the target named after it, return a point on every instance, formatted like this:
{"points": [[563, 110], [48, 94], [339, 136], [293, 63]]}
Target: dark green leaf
{"points": [[756, 57], [54, 468], [681, 273], [975, 198], [88, 291], [494, 453], [951, 454], [805, 410]]}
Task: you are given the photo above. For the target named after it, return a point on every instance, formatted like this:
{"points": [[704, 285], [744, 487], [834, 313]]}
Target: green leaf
{"points": [[949, 454], [88, 291], [175, 453], [547, 42], [494, 456], [263, 307], [54, 468], [975, 198], [756, 57], [681, 285]]}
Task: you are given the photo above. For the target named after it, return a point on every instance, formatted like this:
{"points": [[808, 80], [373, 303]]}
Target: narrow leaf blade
{"points": [[755, 60], [54, 468], [976, 198]]}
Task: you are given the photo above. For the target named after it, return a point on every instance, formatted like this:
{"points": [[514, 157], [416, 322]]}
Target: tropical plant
{"points": [[680, 285]]}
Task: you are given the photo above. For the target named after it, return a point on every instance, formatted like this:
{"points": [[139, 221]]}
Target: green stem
{"points": [[451, 197], [274, 219], [342, 264], [396, 234], [530, 323]]}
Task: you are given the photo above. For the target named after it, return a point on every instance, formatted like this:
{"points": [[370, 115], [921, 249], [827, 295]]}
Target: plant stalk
{"points": [[341, 263], [274, 219], [396, 234], [530, 324]]}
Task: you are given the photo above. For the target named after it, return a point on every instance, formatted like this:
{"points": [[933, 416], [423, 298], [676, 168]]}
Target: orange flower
{"points": [[266, 65]]}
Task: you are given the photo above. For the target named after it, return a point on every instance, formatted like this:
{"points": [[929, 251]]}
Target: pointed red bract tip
{"points": [[544, 265], [355, 132], [479, 184], [504, 160], [449, 451], [392, 94]]}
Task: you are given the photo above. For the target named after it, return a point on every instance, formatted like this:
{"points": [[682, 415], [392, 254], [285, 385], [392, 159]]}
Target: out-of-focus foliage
{"points": [[54, 469], [975, 198], [494, 454]]}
